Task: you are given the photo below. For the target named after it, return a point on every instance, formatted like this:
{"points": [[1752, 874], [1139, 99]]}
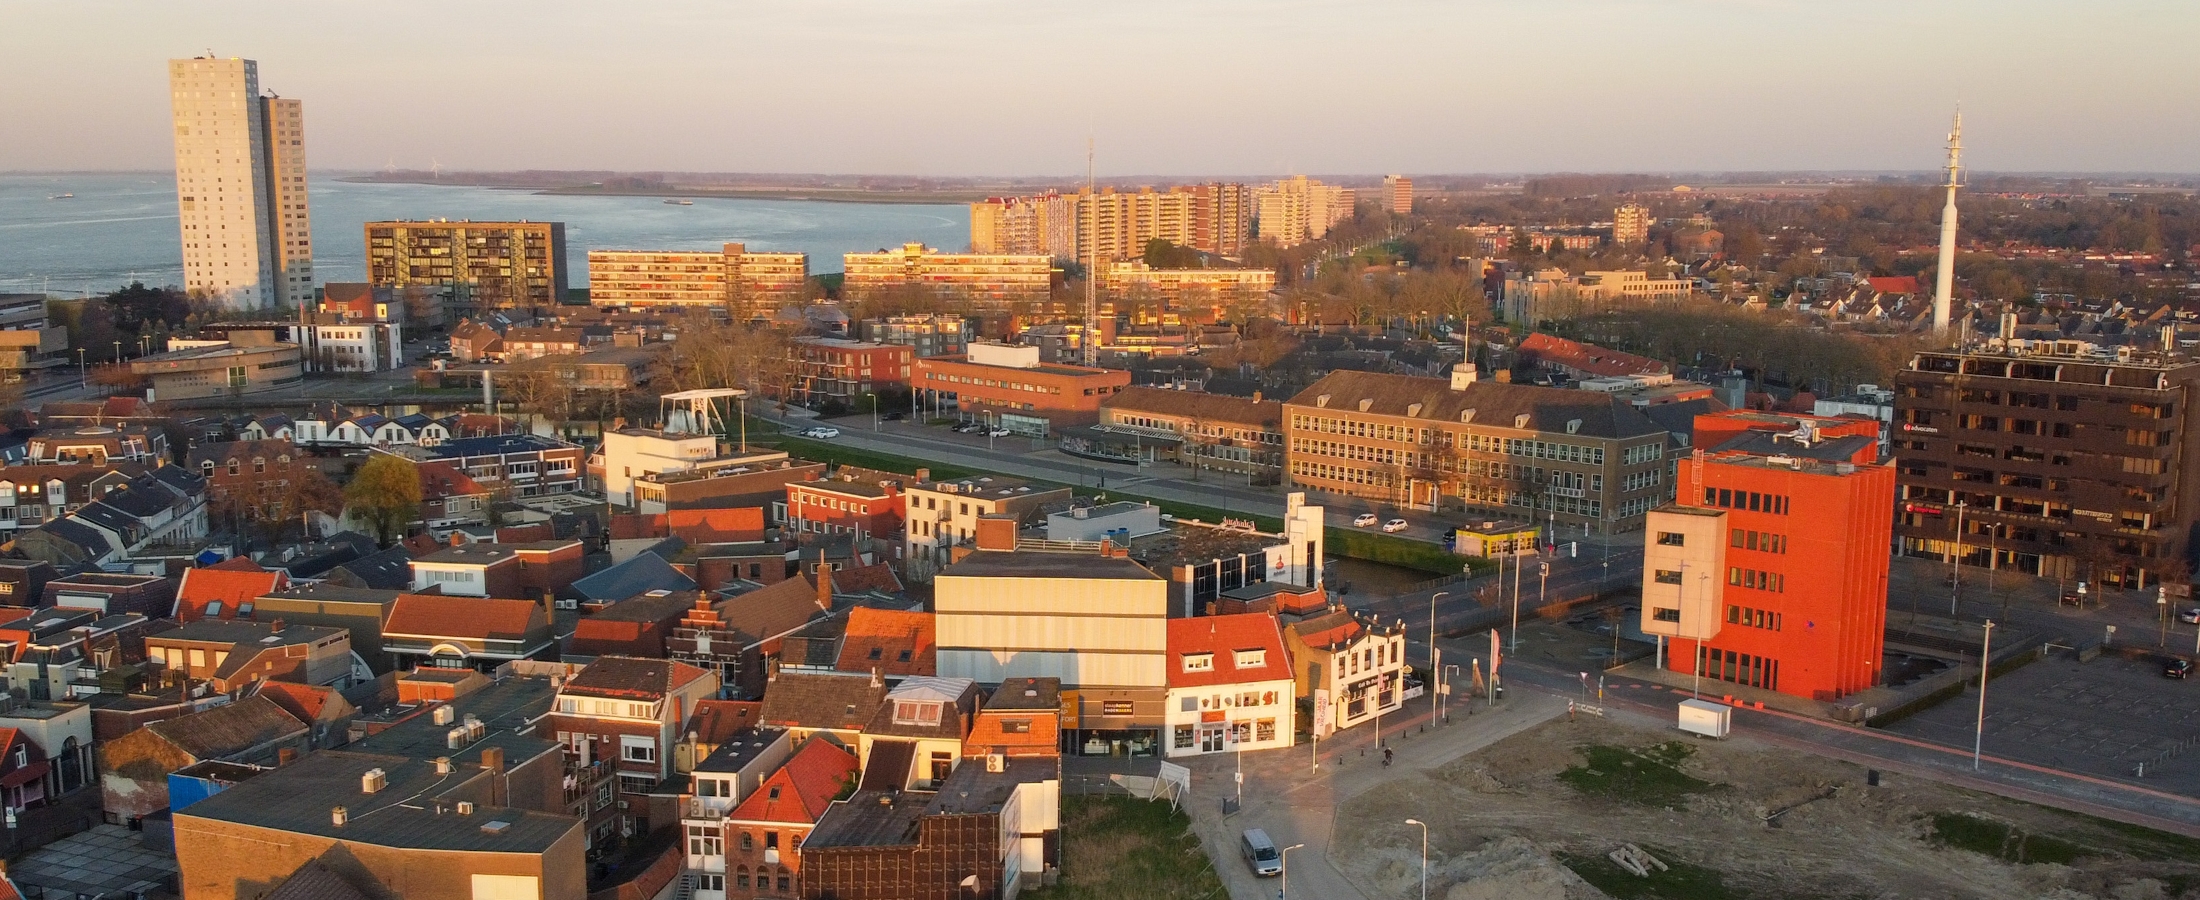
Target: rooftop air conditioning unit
{"points": [[445, 714]]}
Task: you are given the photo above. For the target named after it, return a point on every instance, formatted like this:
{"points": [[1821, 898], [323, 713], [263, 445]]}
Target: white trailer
{"points": [[1706, 718]]}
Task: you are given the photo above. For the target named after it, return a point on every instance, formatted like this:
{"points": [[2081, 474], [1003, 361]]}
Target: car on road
{"points": [[1364, 520], [2179, 669], [997, 432], [894, 417], [1260, 853], [2190, 616], [823, 434], [1394, 526]]}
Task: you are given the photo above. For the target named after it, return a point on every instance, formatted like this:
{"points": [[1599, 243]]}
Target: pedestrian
{"points": [[1386, 757]]}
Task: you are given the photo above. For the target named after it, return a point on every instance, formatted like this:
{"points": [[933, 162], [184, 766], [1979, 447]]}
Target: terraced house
{"points": [[1576, 458]]}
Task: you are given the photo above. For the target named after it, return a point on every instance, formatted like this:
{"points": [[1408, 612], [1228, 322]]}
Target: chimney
{"points": [[276, 626], [337, 816], [996, 531], [1504, 376], [825, 586], [924, 474], [456, 538], [877, 680], [1256, 396], [286, 756]]}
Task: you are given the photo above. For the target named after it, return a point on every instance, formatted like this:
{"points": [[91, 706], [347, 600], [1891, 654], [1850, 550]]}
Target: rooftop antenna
{"points": [[1092, 266], [1944, 275]]}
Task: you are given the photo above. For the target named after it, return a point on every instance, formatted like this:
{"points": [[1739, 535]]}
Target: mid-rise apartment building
{"points": [[1108, 224], [500, 265], [733, 278], [1299, 209], [1398, 194], [1770, 570], [1187, 289], [1630, 225], [1576, 458], [1042, 223], [941, 515], [839, 369], [933, 335], [2054, 458], [240, 185], [995, 278]]}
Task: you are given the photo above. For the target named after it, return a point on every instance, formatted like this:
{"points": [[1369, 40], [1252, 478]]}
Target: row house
{"points": [[522, 344], [1230, 685], [1351, 667], [56, 743], [735, 637], [729, 775], [225, 590], [449, 499], [234, 655], [23, 581], [526, 465], [375, 430], [164, 508], [763, 835], [32, 495], [535, 570], [98, 445], [916, 738], [837, 369], [627, 712], [114, 593], [58, 653], [863, 509], [250, 477], [479, 633]]}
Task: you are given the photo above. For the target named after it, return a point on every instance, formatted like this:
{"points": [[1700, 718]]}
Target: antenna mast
{"points": [[1944, 275]]}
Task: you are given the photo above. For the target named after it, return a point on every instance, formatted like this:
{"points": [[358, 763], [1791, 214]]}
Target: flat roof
{"points": [[300, 798], [741, 748], [471, 554], [1047, 564]]}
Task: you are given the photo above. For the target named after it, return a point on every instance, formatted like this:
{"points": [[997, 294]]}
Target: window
{"points": [[748, 842], [771, 840], [1672, 539], [1023, 726], [912, 712], [1667, 576], [710, 787], [1199, 662], [705, 840], [636, 748], [1251, 659], [1183, 736], [1189, 704], [1664, 614]]}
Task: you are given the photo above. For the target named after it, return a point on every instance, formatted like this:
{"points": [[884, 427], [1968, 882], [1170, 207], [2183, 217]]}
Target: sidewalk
{"points": [[1296, 804]]}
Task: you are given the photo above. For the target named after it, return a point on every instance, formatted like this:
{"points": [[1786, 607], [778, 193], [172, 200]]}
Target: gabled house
{"points": [[808, 703], [225, 590], [1023, 717], [626, 713], [232, 655], [915, 739], [897, 644], [737, 636], [1352, 668], [23, 770], [448, 498], [763, 835], [479, 633], [726, 776], [1230, 685]]}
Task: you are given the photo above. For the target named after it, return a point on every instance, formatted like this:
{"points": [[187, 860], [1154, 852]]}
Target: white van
{"points": [[1260, 853]]}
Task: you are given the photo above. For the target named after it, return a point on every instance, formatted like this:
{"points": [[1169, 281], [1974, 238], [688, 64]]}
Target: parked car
{"points": [[969, 427], [1260, 853], [1394, 526], [2177, 668], [2190, 616], [1364, 520], [823, 434], [997, 432], [894, 417]]}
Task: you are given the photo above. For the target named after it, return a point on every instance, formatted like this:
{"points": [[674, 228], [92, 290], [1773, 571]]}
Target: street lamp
{"points": [[1515, 641], [83, 375], [1703, 591], [1286, 873], [1435, 658], [1424, 855], [1985, 663], [1955, 564], [1542, 585]]}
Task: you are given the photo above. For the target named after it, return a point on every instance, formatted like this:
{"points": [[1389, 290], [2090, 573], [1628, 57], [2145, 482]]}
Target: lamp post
{"points": [[1515, 639], [1703, 590], [1286, 873], [1955, 564], [1424, 855], [1435, 658], [1542, 585], [1985, 663], [83, 375]]}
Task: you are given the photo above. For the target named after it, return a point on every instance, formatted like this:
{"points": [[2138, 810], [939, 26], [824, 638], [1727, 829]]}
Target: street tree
{"points": [[385, 494]]}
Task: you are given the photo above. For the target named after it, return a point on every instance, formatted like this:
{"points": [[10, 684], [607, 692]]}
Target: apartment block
{"points": [[995, 278], [2060, 459], [1770, 570], [1044, 224], [1110, 225], [933, 335], [240, 186], [1579, 458], [1631, 225], [1398, 194], [942, 515], [839, 369], [734, 278], [1187, 289], [1298, 209], [500, 265]]}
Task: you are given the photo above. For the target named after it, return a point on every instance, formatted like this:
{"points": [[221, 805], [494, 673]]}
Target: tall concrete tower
{"points": [[240, 185], [1944, 275]]}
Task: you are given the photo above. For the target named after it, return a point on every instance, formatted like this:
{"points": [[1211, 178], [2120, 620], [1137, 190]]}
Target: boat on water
{"points": [[62, 197], [675, 201]]}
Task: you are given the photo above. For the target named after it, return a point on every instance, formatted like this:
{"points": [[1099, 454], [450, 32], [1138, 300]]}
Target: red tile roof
{"points": [[799, 792], [715, 721], [1588, 359], [881, 638], [230, 583], [1223, 636], [1893, 284], [874, 577], [434, 615], [716, 526], [439, 480], [302, 700]]}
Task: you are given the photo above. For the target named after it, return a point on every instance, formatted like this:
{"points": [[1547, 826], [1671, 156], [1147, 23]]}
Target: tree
{"points": [[385, 494]]}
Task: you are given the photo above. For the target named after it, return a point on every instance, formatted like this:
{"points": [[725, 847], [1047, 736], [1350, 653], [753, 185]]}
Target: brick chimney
{"points": [[997, 532], [924, 474], [825, 586], [458, 538]]}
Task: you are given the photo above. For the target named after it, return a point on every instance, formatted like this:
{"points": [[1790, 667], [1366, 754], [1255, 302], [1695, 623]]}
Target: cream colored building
{"points": [[1630, 225], [1552, 293], [696, 278], [240, 186], [1299, 209], [1040, 224], [939, 515], [1683, 580], [1000, 277], [1398, 194], [1172, 285], [1213, 217]]}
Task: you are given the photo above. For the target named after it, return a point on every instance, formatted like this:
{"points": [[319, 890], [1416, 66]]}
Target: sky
{"points": [[1164, 87]]}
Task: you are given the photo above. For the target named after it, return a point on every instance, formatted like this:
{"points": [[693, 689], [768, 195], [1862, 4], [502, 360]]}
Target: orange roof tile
{"points": [[716, 526], [228, 584], [895, 642], [799, 792], [302, 700], [1222, 637], [435, 615], [715, 721], [874, 577], [439, 480]]}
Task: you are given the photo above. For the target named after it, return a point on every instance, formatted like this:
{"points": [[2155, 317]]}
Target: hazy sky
{"points": [[1013, 87]]}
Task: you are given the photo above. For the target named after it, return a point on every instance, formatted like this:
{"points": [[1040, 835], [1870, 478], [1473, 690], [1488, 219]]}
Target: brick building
{"points": [[865, 509], [627, 713], [1011, 387]]}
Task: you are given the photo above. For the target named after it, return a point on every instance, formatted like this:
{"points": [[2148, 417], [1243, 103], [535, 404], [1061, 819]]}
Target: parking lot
{"points": [[2101, 718]]}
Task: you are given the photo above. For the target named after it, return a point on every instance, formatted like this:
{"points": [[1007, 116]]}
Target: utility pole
{"points": [[1091, 343], [1435, 658], [1955, 565]]}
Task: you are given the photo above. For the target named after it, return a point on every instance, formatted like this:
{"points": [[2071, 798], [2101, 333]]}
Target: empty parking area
{"points": [[2101, 718]]}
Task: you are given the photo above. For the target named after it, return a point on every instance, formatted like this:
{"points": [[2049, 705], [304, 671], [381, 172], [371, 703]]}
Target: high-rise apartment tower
{"points": [[240, 185]]}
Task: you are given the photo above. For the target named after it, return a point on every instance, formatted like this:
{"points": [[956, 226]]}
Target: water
{"points": [[122, 227]]}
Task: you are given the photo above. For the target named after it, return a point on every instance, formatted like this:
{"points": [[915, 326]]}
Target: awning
{"points": [[25, 775]]}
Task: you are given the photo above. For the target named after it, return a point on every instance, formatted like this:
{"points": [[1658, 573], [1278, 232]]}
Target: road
{"points": [[1461, 607]]}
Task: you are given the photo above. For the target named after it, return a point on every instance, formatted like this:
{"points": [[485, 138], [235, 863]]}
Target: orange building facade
{"points": [[1770, 570], [1010, 386]]}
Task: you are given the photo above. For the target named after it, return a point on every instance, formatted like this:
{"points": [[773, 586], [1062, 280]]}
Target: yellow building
{"points": [[240, 186], [996, 277], [696, 278], [1398, 194], [1174, 286], [1630, 225], [1213, 217], [1299, 209]]}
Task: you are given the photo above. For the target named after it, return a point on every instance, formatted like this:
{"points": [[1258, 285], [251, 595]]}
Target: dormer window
{"points": [[916, 712], [1199, 662], [1251, 659], [207, 468], [774, 793]]}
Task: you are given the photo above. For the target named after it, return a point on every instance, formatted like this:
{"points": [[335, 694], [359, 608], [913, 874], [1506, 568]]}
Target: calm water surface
{"points": [[120, 227]]}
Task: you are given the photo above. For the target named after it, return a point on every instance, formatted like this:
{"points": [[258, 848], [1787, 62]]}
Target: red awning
{"points": [[25, 775]]}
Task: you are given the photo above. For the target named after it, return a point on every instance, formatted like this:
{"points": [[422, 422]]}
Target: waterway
{"points": [[122, 227]]}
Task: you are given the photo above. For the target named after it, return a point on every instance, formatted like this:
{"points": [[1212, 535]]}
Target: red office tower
{"points": [[1772, 565]]}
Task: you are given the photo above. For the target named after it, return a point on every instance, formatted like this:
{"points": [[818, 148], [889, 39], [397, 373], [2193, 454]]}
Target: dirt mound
{"points": [[1511, 868]]}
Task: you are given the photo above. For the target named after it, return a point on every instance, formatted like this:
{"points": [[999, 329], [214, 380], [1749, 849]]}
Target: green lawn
{"points": [[1648, 776], [1117, 847]]}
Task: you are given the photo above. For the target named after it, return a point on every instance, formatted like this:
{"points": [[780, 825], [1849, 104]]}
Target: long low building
{"points": [[733, 276], [1010, 386], [996, 277], [220, 369]]}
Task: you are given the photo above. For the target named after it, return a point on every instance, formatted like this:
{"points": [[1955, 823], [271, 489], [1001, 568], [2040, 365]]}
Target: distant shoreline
{"points": [[826, 195]]}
